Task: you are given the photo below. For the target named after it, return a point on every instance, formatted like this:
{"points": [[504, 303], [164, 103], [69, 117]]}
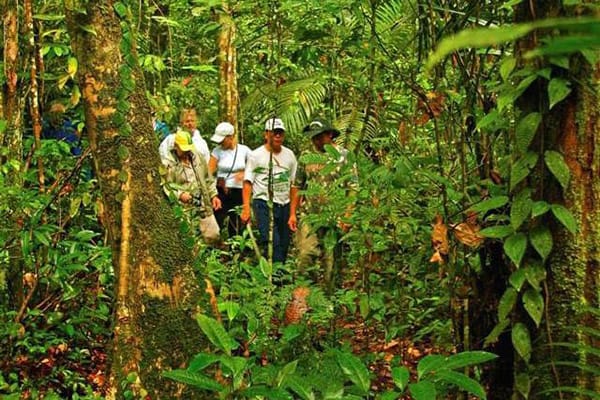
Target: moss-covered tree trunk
{"points": [[570, 128], [228, 90], [156, 290], [11, 138]]}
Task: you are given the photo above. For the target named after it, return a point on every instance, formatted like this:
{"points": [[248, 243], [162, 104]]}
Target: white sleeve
{"points": [[249, 170], [293, 168], [201, 146], [164, 150]]}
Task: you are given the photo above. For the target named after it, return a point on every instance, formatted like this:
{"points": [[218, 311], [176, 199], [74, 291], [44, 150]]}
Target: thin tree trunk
{"points": [[156, 290], [12, 139], [229, 97]]}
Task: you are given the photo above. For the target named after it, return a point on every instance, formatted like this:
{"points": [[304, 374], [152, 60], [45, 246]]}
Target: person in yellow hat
{"points": [[189, 182]]}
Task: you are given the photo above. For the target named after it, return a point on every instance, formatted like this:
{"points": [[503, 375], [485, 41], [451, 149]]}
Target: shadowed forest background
{"points": [[470, 268]]}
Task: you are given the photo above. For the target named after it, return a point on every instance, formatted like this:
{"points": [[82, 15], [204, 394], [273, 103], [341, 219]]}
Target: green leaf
{"points": [[521, 208], [521, 168], [541, 240], [430, 363], [301, 387], [515, 246], [354, 369], [534, 305], [284, 372], [489, 204], [559, 168], [216, 333], [466, 359], [558, 89], [507, 302], [401, 376], [123, 152], [231, 307], [201, 361], [497, 232], [517, 279], [265, 267], [535, 273], [523, 384], [526, 129], [193, 379], [496, 332], [424, 390], [521, 340], [264, 392], [565, 217], [237, 367], [507, 66], [463, 382], [539, 208], [120, 9]]}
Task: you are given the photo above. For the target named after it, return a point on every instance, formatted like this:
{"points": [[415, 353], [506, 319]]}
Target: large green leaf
{"points": [[489, 204], [517, 279], [558, 89], [523, 384], [535, 273], [401, 376], [430, 363], [496, 332], [201, 361], [521, 340], [541, 240], [463, 382], [515, 247], [539, 208], [507, 66], [286, 371], [216, 333], [497, 232], [424, 390], [301, 387], [520, 208], [526, 129], [507, 302], [559, 168], [534, 305], [354, 369], [565, 217], [193, 379], [521, 168], [467, 358]]}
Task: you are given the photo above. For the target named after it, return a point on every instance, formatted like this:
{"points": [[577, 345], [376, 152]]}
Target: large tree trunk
{"points": [[228, 90], [573, 279], [156, 291]]}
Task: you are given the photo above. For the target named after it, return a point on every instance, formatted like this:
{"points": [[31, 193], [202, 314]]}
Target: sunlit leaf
{"points": [[559, 168], [533, 302], [565, 217], [521, 341], [541, 240], [558, 89]]}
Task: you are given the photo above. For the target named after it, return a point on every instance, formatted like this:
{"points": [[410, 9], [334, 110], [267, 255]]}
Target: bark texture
{"points": [[228, 90], [156, 290]]}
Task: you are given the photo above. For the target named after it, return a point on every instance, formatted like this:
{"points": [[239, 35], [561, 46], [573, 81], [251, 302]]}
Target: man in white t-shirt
{"points": [[270, 174]]}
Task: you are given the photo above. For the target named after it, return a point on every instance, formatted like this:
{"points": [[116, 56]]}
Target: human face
{"points": [[180, 153], [189, 121], [321, 140], [228, 142], [275, 138]]}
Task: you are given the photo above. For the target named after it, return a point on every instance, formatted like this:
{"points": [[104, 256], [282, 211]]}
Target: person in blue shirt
{"points": [[57, 126]]}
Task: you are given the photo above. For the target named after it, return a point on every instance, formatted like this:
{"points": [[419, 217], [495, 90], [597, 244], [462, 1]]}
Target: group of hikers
{"points": [[232, 185]]}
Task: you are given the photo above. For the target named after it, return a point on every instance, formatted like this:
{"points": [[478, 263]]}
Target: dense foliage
{"points": [[452, 231]]}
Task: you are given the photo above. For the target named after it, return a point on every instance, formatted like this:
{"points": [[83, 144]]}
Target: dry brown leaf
{"points": [[436, 258], [439, 236], [213, 299], [468, 234]]}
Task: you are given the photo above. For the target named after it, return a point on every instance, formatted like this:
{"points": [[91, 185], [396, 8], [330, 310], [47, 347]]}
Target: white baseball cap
{"points": [[222, 130], [273, 124]]}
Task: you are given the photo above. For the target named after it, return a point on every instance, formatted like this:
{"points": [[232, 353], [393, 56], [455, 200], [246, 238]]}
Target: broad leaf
{"points": [[193, 379], [515, 247], [523, 384], [258, 391], [287, 370], [534, 305], [301, 387], [507, 302], [216, 333], [541, 240], [430, 363], [521, 340], [526, 129], [466, 359], [539, 208], [507, 66], [521, 168], [497, 232], [496, 332], [201, 361], [424, 390], [463, 382], [565, 217], [489, 204], [354, 369], [401, 376], [535, 273], [521, 208], [558, 89], [559, 168]]}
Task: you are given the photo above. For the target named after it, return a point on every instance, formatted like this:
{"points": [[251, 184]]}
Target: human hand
{"points": [[185, 197], [216, 203], [293, 222], [245, 215]]}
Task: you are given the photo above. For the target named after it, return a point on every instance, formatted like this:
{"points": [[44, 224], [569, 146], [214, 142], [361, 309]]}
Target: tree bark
{"points": [[156, 290], [228, 90]]}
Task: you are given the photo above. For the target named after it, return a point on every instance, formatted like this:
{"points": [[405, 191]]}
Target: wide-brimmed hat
{"points": [[274, 124], [318, 126], [184, 140], [222, 130]]}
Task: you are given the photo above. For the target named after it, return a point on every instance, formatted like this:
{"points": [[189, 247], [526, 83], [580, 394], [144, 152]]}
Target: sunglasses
{"points": [[278, 133]]}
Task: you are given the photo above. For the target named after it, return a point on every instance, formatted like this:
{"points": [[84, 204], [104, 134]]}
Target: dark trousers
{"points": [[229, 201], [281, 230]]}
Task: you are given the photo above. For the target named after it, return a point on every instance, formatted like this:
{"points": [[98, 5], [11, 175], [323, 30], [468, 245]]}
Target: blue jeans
{"points": [[281, 231]]}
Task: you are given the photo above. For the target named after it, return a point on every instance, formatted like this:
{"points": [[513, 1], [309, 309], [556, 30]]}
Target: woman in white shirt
{"points": [[228, 161]]}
